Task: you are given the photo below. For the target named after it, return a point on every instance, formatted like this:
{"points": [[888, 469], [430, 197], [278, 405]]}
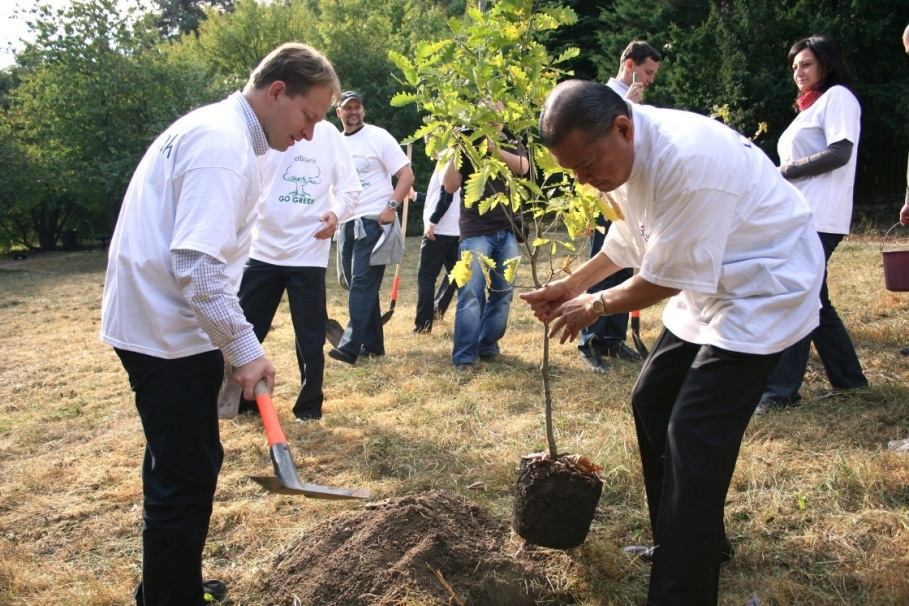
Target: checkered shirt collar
{"points": [[260, 143]]}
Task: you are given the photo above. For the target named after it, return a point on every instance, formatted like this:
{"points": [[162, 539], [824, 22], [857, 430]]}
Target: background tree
{"points": [[178, 17], [89, 101]]}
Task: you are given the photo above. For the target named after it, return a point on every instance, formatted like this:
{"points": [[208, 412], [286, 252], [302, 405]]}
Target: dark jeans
{"points": [[261, 290], [609, 330], [832, 342], [434, 255], [691, 406], [364, 329], [177, 401]]}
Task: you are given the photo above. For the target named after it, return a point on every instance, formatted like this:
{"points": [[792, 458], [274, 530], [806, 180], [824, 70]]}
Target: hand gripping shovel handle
{"points": [[286, 480], [273, 431]]}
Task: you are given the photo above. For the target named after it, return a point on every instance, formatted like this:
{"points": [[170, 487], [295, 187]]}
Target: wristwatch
{"points": [[392, 204], [599, 308]]}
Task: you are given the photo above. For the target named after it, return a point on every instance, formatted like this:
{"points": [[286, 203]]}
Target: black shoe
{"points": [[365, 353], [645, 552], [621, 351], [248, 407], [489, 357], [905, 351], [213, 591], [768, 405], [465, 367], [307, 414], [594, 361], [342, 356]]}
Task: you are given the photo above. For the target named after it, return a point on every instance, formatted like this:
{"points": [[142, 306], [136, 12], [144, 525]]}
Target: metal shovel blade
{"points": [[636, 333], [314, 491], [286, 481], [334, 331]]}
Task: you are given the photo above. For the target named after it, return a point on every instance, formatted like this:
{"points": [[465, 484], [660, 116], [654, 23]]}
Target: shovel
{"points": [[636, 333], [333, 331], [285, 480], [397, 281]]}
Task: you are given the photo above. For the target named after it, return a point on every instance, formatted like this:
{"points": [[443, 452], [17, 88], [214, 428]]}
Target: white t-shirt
{"points": [[707, 212], [835, 116], [300, 185], [376, 156], [195, 189], [448, 224]]}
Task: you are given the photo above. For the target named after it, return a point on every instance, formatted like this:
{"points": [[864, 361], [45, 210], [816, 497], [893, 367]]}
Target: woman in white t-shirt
{"points": [[818, 155]]}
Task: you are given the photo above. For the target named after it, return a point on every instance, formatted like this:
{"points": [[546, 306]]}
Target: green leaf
{"points": [[475, 186], [401, 99]]}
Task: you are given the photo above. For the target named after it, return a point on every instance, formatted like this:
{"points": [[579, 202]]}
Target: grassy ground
{"points": [[818, 509]]}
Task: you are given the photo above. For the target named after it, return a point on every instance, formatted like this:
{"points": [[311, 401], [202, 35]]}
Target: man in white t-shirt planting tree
{"points": [[716, 230], [170, 305], [377, 157], [309, 188]]}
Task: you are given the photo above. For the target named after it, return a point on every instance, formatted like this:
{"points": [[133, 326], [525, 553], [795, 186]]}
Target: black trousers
{"points": [[261, 289], [610, 330], [691, 406], [177, 401], [434, 255]]}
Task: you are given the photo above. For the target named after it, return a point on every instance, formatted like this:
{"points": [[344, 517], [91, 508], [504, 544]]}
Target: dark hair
{"points": [[579, 104], [639, 51], [298, 66], [829, 58]]}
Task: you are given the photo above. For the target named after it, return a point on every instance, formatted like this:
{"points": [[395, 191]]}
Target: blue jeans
{"points": [[610, 330], [365, 325], [831, 341], [480, 320]]}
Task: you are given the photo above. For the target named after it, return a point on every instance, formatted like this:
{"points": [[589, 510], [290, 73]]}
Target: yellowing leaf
{"points": [[511, 268], [460, 274]]}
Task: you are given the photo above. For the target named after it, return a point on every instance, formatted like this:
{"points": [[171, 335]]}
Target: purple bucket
{"points": [[896, 267]]}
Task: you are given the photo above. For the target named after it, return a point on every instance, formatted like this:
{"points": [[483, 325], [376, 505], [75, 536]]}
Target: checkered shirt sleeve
{"points": [[207, 290]]}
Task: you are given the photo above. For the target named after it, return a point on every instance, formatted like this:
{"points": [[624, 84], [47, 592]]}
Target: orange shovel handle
{"points": [[394, 286], [273, 430]]}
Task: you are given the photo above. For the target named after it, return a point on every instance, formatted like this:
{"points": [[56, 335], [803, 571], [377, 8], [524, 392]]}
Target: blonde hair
{"points": [[299, 66]]}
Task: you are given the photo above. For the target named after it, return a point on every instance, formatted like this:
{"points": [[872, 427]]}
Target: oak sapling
{"points": [[493, 72]]}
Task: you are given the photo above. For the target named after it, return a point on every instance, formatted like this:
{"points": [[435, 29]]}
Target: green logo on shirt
{"points": [[304, 171]]}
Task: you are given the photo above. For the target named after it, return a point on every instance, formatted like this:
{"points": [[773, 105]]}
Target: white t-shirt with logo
{"points": [[376, 156], [448, 224], [300, 185], [835, 116], [708, 213], [195, 189]]}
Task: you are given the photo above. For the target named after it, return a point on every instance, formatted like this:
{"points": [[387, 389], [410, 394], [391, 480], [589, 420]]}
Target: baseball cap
{"points": [[348, 95]]}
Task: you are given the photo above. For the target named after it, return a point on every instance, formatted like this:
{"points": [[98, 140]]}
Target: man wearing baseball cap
{"points": [[377, 157]]}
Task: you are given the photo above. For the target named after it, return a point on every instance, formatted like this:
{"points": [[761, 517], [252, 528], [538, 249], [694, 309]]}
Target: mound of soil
{"points": [[430, 548]]}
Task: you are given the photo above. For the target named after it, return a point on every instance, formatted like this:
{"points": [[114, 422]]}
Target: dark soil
{"points": [[430, 548], [555, 501]]}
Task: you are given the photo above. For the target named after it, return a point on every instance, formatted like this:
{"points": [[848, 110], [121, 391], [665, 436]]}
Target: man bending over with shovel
{"points": [[716, 230], [170, 297]]}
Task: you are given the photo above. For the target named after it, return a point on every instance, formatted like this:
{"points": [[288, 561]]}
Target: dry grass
{"points": [[818, 508]]}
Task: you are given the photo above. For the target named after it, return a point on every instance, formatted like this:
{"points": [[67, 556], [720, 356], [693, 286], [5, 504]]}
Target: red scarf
{"points": [[806, 99]]}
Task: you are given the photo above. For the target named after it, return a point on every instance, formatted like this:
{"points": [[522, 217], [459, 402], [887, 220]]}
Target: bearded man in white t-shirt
{"points": [[377, 157], [170, 307], [715, 229], [307, 190]]}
